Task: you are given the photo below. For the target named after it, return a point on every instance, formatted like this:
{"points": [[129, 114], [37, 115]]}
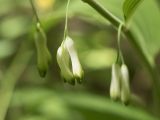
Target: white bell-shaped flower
{"points": [[115, 82], [125, 88], [67, 54], [63, 62], [76, 66]]}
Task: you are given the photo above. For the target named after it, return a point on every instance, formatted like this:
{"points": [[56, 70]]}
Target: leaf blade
{"points": [[129, 7]]}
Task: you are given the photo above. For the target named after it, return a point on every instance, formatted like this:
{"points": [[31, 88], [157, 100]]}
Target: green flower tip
{"points": [[42, 72]]}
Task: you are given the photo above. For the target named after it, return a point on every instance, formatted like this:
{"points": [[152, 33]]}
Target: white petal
{"points": [[125, 88], [62, 59], [76, 66], [115, 82]]}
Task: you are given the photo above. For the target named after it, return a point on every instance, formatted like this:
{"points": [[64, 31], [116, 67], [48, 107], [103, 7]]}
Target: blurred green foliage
{"points": [[35, 98]]}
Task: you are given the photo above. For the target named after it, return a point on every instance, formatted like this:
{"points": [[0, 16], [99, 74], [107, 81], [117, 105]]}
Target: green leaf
{"points": [[145, 28], [95, 107], [62, 106], [129, 7]]}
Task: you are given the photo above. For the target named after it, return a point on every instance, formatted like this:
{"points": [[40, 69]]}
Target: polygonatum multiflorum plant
{"points": [[67, 56], [141, 31]]}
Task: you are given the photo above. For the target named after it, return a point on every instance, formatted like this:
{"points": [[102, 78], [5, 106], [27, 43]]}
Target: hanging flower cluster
{"points": [[67, 54], [67, 58], [69, 64], [119, 88]]}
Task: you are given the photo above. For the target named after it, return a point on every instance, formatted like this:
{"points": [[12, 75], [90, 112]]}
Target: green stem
{"points": [[35, 11], [10, 79], [116, 22], [104, 12], [152, 69], [66, 21], [120, 55]]}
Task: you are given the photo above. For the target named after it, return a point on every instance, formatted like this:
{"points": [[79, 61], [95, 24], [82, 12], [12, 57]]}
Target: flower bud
{"points": [[125, 88], [76, 66], [63, 62], [43, 54], [115, 82]]}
